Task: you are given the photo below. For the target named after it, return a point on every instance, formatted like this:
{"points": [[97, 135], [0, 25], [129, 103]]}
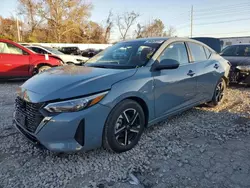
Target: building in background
{"points": [[234, 40]]}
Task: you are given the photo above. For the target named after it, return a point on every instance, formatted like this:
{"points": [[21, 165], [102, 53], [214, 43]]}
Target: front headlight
{"points": [[244, 68], [75, 104]]}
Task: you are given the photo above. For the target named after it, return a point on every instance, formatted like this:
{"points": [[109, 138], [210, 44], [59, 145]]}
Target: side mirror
{"points": [[166, 64]]}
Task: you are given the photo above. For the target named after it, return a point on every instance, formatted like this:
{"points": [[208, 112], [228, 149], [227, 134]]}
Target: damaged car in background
{"points": [[16, 61], [67, 59], [239, 57]]}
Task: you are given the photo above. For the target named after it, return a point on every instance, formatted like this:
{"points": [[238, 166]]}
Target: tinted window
{"points": [[208, 52], [39, 50], [229, 51], [7, 48], [176, 51], [197, 52], [243, 50]]}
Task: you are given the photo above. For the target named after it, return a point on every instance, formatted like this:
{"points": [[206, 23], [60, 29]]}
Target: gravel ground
{"points": [[202, 147]]}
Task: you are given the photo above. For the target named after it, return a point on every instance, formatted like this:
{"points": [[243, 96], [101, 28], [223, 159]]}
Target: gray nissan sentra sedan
{"points": [[118, 93]]}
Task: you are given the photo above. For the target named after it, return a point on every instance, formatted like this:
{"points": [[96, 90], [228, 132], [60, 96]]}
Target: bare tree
{"points": [[125, 21], [108, 27], [154, 29], [65, 16], [30, 10], [138, 31], [171, 31]]}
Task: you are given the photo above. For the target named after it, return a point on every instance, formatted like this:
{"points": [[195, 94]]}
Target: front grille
{"points": [[29, 115]]}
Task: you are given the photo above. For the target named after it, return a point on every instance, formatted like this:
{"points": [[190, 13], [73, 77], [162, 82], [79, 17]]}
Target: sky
{"points": [[213, 18]]}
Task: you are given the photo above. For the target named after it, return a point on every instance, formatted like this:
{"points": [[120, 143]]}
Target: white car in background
{"points": [[67, 59]]}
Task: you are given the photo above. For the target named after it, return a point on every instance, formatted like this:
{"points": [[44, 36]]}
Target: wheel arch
{"points": [[140, 101], [144, 106], [38, 65], [226, 79]]}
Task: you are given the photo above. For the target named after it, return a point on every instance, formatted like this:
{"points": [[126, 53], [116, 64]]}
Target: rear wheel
{"points": [[124, 126], [219, 93], [43, 68]]}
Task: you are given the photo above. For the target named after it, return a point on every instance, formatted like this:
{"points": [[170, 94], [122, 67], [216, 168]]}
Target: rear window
{"points": [[208, 52], [197, 51]]}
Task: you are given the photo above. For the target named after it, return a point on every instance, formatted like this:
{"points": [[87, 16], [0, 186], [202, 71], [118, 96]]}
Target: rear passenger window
{"points": [[197, 51], [176, 51], [208, 52]]}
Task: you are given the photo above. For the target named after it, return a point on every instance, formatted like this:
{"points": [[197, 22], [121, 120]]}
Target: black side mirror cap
{"points": [[165, 64]]}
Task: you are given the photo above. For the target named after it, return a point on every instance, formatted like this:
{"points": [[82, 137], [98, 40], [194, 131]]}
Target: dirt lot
{"points": [[200, 148]]}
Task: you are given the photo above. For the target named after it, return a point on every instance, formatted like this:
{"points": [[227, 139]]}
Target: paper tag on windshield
{"points": [[46, 57]]}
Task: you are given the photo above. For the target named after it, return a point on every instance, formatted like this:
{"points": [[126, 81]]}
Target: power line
{"points": [[221, 22], [180, 15], [223, 33], [224, 12], [222, 7], [220, 15]]}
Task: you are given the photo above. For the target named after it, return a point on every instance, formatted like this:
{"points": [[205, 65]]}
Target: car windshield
{"points": [[236, 50], [129, 54], [53, 51]]}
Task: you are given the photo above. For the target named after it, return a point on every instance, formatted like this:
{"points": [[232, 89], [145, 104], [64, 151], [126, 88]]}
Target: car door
{"points": [[174, 89], [206, 70], [14, 61]]}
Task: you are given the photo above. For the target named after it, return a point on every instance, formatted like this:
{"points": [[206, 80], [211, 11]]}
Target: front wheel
{"points": [[219, 93], [43, 68], [124, 126]]}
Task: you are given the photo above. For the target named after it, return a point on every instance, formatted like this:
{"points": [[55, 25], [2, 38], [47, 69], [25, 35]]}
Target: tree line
{"points": [[68, 21]]}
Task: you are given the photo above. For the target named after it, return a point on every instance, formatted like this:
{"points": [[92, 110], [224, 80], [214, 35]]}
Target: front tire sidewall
{"points": [[109, 141]]}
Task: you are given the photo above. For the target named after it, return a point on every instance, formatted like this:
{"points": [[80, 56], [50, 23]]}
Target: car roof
{"points": [[164, 39], [241, 44]]}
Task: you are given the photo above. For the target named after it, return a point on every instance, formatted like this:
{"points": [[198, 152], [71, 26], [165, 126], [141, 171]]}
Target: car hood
{"points": [[72, 58], [235, 61], [71, 81]]}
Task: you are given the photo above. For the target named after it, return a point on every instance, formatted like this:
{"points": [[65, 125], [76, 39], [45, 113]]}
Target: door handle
{"points": [[191, 73], [216, 66]]}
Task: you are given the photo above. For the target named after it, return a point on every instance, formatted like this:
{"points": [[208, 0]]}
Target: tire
{"points": [[70, 63], [124, 126], [43, 68], [219, 93]]}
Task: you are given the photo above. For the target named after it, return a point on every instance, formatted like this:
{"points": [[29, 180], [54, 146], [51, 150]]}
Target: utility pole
{"points": [[18, 29], [191, 26]]}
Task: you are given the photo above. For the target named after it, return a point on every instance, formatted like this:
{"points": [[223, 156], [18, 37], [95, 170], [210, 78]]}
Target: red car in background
{"points": [[16, 61]]}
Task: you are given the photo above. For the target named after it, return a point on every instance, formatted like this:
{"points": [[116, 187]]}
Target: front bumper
{"points": [[69, 132], [239, 76]]}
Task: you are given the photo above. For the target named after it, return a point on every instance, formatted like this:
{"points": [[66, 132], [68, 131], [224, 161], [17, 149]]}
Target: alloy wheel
{"points": [[127, 127], [220, 88]]}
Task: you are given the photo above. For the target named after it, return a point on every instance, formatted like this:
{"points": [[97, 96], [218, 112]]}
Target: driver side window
{"points": [[176, 51], [7, 48]]}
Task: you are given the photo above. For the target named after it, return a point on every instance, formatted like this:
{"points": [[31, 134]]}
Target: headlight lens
{"points": [[244, 67], [75, 104]]}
